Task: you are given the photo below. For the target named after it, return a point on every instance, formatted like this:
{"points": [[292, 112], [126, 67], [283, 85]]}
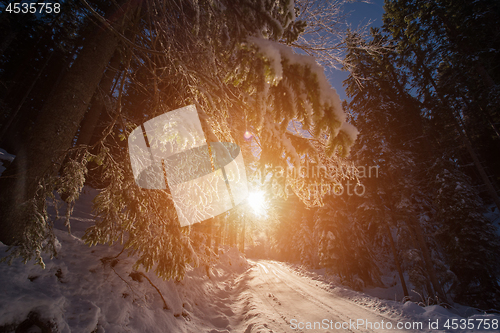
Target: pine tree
{"points": [[229, 58], [257, 80], [343, 246], [286, 235], [468, 239], [395, 203], [23, 197], [434, 39], [306, 240], [414, 95]]}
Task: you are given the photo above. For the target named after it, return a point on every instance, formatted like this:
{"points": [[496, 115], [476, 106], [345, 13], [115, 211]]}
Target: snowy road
{"points": [[294, 303], [82, 291]]}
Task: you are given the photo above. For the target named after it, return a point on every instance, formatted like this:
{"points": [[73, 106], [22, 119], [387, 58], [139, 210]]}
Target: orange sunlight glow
{"points": [[257, 202]]}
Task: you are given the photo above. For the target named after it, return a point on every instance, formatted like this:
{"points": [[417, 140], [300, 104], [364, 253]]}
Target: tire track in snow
{"points": [[290, 278], [287, 305], [290, 296]]}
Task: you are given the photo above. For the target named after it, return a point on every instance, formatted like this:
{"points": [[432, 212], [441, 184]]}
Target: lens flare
{"points": [[247, 135], [257, 202]]}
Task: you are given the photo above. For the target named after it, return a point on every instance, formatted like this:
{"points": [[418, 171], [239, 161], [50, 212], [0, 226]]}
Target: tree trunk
{"points": [[396, 260], [19, 130], [209, 224], [13, 114], [92, 116], [242, 239], [9, 31], [217, 235], [231, 230], [393, 248], [468, 145], [54, 132], [94, 113], [427, 259]]}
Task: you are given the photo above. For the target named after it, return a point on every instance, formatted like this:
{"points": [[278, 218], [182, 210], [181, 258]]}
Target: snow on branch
{"points": [[334, 120]]}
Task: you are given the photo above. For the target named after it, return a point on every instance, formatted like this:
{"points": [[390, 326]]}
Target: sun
{"points": [[257, 202]]}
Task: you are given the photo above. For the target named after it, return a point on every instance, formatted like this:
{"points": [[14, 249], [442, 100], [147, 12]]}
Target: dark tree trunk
{"points": [[14, 114], [54, 132], [92, 116], [393, 247], [477, 163], [17, 133], [9, 32], [417, 229], [396, 260]]}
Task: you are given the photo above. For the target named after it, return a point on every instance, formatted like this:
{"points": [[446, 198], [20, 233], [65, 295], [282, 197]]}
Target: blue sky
{"points": [[359, 13]]}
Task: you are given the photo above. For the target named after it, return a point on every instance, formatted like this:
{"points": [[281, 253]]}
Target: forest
{"points": [[401, 178]]}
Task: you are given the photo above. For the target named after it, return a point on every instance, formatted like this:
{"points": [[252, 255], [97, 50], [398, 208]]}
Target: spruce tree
{"points": [[436, 39], [343, 246], [392, 138], [468, 239], [231, 59]]}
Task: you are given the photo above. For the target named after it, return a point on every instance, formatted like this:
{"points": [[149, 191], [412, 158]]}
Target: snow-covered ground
{"points": [[96, 290], [452, 319], [89, 290]]}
